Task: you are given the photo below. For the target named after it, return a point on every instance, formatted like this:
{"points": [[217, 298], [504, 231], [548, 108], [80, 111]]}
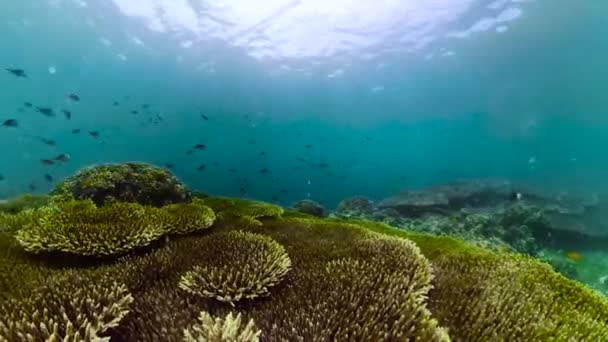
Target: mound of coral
{"points": [[262, 273], [127, 182]]}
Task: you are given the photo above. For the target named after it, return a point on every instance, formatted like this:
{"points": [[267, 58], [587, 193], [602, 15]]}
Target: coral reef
{"points": [[222, 329], [310, 207], [298, 277], [244, 265], [129, 182]]}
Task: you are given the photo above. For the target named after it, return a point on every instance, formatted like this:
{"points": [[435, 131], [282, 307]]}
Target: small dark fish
{"points": [[232, 170], [46, 141], [63, 158], [17, 72], [28, 104], [199, 147], [48, 178], [284, 192], [145, 106], [322, 165], [242, 190], [47, 162], [1, 177], [189, 152], [134, 112], [251, 142], [45, 111], [10, 123], [300, 159], [368, 138], [308, 146], [262, 154], [169, 166], [205, 117], [115, 103], [74, 97], [264, 170], [32, 186], [76, 131], [202, 167], [67, 113], [94, 134]]}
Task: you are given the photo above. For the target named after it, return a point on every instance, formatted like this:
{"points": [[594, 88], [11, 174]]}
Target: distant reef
{"points": [[123, 256]]}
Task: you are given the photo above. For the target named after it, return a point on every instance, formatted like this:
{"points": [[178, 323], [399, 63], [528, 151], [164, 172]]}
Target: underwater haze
{"points": [[282, 100]]}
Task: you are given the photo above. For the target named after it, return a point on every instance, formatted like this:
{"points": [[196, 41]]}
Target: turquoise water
{"points": [[387, 96]]}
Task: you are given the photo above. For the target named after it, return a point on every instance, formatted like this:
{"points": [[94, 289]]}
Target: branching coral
{"points": [[68, 309], [222, 329], [515, 298], [369, 296], [341, 281], [186, 218], [129, 182], [245, 265], [80, 227]]}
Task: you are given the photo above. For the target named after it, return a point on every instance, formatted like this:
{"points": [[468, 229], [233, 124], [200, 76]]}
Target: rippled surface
{"points": [[320, 28]]}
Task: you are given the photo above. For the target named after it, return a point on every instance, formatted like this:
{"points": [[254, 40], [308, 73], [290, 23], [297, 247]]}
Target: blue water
{"points": [[388, 95]]}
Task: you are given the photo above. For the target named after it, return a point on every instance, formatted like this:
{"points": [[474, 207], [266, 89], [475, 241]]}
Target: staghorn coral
{"points": [[246, 265], [128, 182], [221, 329], [242, 207], [66, 309], [185, 218], [79, 227]]}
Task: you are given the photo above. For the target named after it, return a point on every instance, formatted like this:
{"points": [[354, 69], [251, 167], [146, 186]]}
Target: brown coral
{"points": [[222, 329], [69, 309], [80, 227], [245, 265]]}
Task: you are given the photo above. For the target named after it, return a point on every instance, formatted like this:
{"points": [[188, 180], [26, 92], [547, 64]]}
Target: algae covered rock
{"points": [[128, 182], [310, 207], [358, 206]]}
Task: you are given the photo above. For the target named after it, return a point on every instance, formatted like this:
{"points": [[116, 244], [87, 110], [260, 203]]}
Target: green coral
{"points": [[23, 202], [80, 227], [128, 182], [242, 207], [244, 265], [185, 218]]}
